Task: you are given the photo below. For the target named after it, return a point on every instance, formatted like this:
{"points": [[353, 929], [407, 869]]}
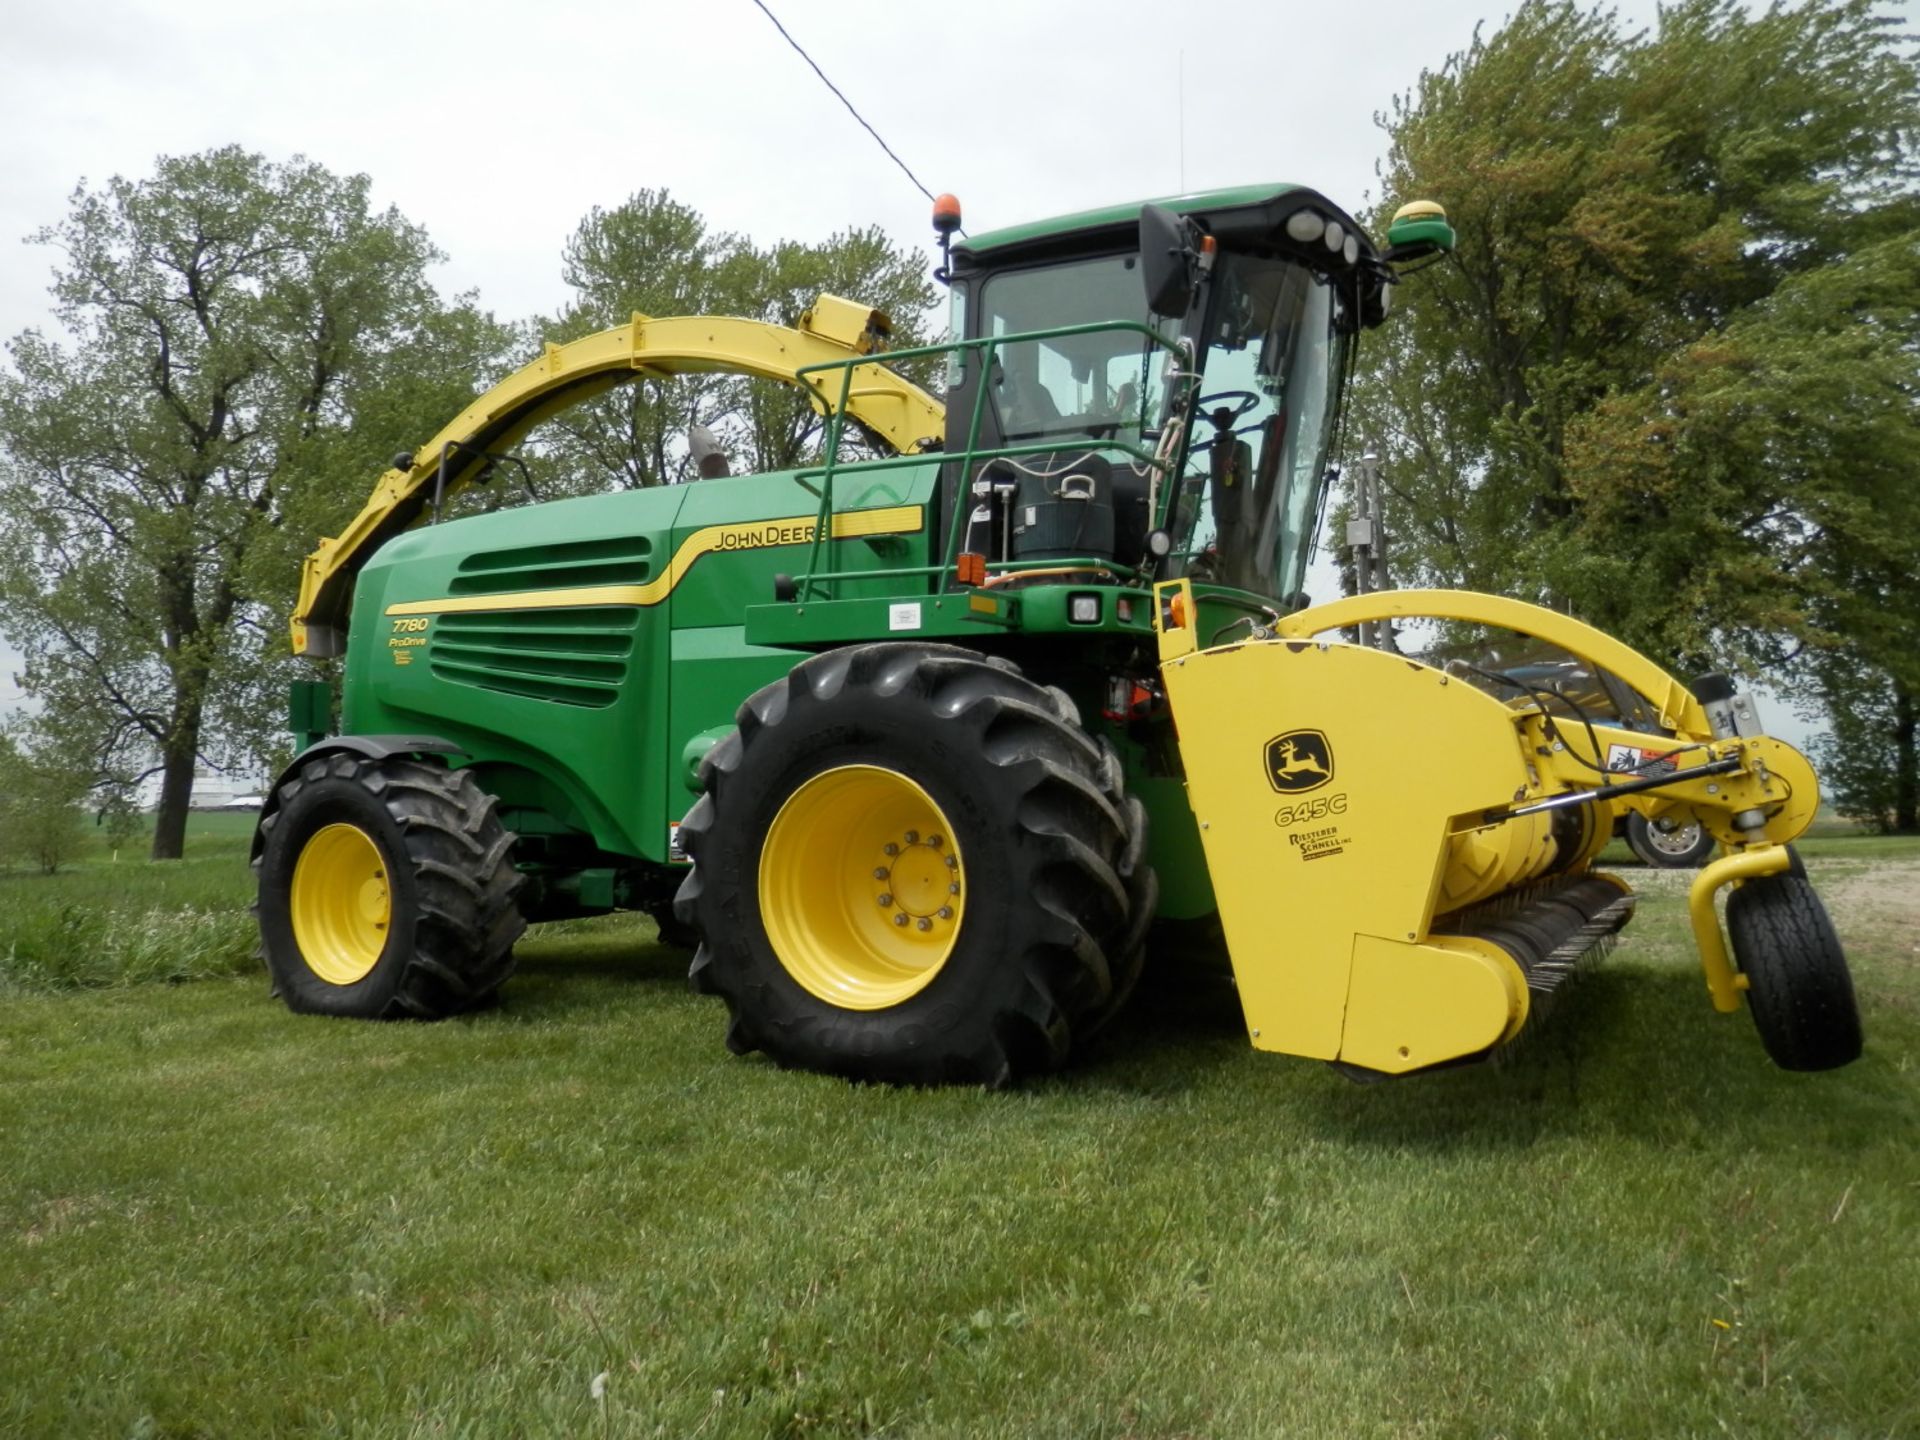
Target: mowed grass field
{"points": [[577, 1215]]}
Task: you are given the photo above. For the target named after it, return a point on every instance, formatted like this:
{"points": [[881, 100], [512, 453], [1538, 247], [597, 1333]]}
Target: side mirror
{"points": [[1166, 261]]}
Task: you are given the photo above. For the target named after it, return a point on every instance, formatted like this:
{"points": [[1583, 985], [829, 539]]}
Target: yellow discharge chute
{"points": [[887, 404]]}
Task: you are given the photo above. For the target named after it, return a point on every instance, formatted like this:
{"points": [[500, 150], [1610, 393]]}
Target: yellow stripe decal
{"points": [[744, 535]]}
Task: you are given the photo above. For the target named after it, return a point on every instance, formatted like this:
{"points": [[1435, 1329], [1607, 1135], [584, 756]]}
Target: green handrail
{"points": [[971, 454]]}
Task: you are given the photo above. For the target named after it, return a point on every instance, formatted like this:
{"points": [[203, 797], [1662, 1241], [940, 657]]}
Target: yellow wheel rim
{"points": [[861, 887], [341, 905]]}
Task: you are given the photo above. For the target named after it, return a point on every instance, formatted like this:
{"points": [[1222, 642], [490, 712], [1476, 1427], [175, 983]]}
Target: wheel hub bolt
{"points": [[946, 912], [892, 849], [954, 888], [953, 862], [900, 918], [885, 900], [913, 837], [934, 841], [880, 872], [925, 924]]}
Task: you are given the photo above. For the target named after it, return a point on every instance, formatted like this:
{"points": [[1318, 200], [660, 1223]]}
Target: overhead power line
{"points": [[843, 100]]}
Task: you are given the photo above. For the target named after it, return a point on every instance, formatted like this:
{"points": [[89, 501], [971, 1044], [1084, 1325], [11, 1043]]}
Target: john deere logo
{"points": [[1298, 761]]}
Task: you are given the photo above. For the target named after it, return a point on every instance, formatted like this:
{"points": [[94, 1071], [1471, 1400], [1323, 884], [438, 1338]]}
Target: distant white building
{"points": [[212, 791]]}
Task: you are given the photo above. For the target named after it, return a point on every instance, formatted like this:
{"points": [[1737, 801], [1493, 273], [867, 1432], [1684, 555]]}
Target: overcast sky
{"points": [[498, 125]]}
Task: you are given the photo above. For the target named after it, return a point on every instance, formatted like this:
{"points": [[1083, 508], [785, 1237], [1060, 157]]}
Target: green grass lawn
{"points": [[220, 1219], [118, 919]]}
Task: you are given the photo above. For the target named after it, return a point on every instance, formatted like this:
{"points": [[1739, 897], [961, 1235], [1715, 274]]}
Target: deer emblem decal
{"points": [[1299, 760]]}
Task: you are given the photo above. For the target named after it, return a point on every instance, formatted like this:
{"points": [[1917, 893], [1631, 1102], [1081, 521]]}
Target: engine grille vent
{"points": [[613, 560], [568, 657]]}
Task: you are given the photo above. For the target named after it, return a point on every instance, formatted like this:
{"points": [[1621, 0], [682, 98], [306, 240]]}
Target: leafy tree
{"points": [[655, 255], [1763, 477], [1668, 378], [245, 343], [119, 815], [781, 428], [1767, 479], [1867, 763], [41, 793]]}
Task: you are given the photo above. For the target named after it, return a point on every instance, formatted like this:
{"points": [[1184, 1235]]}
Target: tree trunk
{"points": [[176, 789], [1906, 766]]}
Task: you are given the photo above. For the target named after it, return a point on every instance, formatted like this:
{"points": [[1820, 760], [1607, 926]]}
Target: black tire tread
{"points": [[1799, 987], [1082, 839], [461, 948], [671, 932]]}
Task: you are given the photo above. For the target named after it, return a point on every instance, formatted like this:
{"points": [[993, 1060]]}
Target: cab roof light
{"points": [[1305, 226]]}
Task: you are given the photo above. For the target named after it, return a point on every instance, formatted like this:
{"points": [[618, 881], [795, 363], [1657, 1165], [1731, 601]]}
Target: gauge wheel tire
{"points": [[1798, 986], [386, 890], [1685, 847], [856, 792]]}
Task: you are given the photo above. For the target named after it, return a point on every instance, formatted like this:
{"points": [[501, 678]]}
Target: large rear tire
{"points": [[913, 865], [1798, 985], [386, 889]]}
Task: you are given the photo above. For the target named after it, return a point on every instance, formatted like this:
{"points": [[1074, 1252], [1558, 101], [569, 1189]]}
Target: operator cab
{"points": [[1264, 288]]}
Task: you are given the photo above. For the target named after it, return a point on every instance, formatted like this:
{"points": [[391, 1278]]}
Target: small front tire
{"points": [[386, 889]]}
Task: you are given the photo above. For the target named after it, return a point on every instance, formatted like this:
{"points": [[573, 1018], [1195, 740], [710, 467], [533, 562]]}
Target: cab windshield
{"points": [[1108, 384], [1273, 363]]}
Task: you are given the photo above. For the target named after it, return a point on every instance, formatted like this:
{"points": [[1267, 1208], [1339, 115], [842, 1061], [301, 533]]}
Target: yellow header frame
{"points": [[1679, 711]]}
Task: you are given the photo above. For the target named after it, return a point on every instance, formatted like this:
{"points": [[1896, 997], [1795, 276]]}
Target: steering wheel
{"points": [[1245, 401]]}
